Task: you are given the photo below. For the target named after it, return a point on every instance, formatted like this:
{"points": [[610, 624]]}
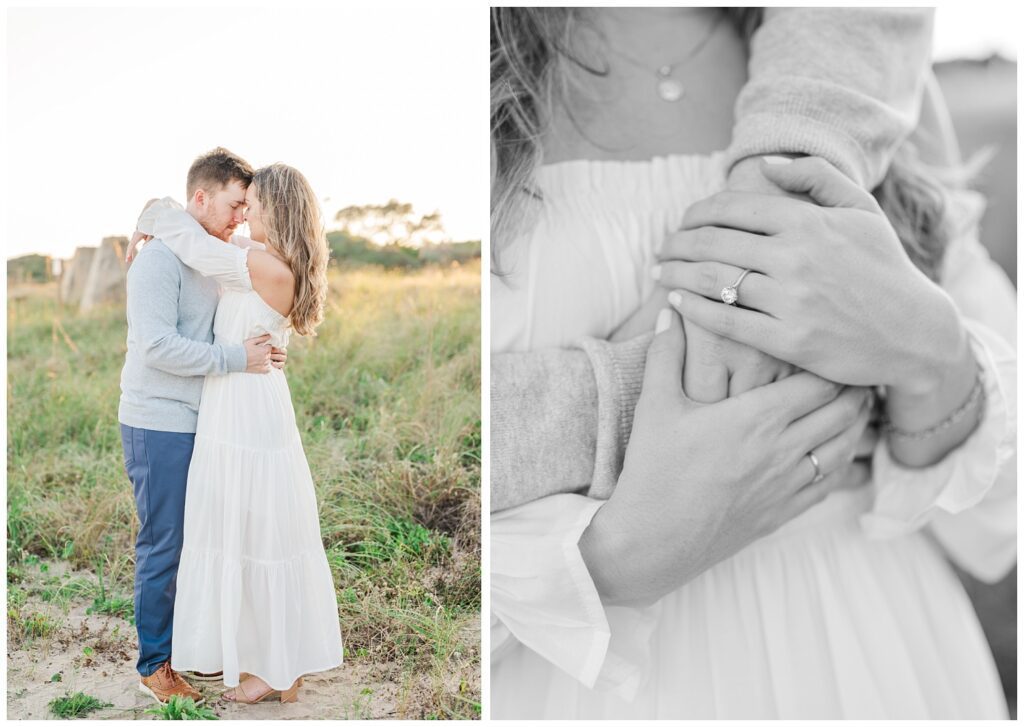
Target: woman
{"points": [[813, 619], [255, 596]]}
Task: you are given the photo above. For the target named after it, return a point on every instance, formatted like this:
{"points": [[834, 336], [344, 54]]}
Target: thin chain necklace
{"points": [[667, 87]]}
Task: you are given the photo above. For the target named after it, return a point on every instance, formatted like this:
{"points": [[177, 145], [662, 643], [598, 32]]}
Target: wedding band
{"points": [[818, 474], [731, 293]]}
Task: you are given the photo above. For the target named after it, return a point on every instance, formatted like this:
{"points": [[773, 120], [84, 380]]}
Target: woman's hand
{"points": [[138, 237], [699, 483], [133, 244], [716, 367], [832, 290]]}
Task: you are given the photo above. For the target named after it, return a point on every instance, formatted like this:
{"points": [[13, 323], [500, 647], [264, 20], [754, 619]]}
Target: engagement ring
{"points": [[731, 293]]}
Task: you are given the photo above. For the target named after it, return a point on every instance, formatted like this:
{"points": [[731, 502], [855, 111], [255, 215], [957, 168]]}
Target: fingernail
{"points": [[773, 159], [656, 272], [664, 321], [675, 298]]}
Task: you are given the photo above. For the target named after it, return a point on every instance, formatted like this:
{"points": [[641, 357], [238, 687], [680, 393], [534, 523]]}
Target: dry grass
{"points": [[388, 402]]}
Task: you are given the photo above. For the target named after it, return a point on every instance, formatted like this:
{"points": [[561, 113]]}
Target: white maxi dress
{"points": [[848, 611], [254, 589]]}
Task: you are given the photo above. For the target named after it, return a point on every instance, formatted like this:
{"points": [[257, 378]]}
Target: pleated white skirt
{"points": [[812, 622], [255, 592]]}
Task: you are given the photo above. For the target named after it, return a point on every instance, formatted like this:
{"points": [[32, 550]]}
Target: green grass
{"points": [[73, 706], [38, 626], [62, 591], [178, 708], [122, 606], [387, 399]]}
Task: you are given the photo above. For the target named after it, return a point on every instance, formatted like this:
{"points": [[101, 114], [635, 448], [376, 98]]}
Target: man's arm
{"points": [[844, 84], [561, 418], [153, 306]]}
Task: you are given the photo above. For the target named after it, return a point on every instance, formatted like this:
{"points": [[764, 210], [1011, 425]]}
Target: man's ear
{"points": [[199, 197]]}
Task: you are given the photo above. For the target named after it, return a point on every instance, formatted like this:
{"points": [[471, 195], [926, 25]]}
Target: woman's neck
{"points": [[650, 31], [619, 115], [270, 249]]}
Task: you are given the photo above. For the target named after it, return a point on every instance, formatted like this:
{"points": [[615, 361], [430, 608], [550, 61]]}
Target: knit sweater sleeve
{"points": [[840, 83], [560, 419]]}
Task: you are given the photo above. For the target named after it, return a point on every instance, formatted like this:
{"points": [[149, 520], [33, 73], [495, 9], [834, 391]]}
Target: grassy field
{"points": [[387, 398]]}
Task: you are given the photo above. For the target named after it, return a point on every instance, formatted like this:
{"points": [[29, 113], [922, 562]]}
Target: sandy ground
{"points": [[353, 691]]}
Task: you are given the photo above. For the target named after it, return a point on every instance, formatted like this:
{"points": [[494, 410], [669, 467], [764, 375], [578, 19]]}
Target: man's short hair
{"points": [[216, 169]]}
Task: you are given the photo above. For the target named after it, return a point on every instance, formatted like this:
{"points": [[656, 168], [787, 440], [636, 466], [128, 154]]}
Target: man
{"points": [[170, 351]]}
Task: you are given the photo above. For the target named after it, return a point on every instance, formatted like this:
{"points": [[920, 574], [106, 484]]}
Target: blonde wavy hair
{"points": [[295, 229], [531, 56]]}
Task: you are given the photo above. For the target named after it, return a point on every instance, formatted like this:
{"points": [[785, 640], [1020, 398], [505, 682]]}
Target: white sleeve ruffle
{"points": [[169, 222], [968, 499], [543, 597]]}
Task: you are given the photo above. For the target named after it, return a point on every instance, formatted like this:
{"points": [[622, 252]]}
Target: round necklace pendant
{"points": [[669, 89]]}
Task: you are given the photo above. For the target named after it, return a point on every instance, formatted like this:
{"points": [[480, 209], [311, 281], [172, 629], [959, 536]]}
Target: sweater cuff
{"points": [[619, 373], [236, 358], [777, 133]]}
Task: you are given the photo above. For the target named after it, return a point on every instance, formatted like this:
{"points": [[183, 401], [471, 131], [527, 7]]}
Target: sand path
{"points": [[96, 654]]}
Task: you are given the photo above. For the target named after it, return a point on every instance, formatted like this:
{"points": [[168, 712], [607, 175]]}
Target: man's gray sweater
{"points": [[170, 343]]}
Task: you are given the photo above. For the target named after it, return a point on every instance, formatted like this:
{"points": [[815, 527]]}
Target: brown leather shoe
{"points": [[165, 683]]}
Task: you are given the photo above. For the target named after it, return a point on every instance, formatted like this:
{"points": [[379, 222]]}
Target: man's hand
{"points": [[699, 483], [278, 357], [257, 355]]}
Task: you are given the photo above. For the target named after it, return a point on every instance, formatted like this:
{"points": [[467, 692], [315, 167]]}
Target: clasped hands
{"points": [[831, 291]]}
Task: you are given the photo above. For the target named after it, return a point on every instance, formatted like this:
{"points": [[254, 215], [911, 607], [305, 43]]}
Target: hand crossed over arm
{"points": [[716, 367]]}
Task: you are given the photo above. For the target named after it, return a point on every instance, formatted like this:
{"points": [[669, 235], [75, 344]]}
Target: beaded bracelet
{"points": [[977, 394]]}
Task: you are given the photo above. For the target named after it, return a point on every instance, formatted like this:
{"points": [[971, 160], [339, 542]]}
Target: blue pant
{"points": [[157, 464]]}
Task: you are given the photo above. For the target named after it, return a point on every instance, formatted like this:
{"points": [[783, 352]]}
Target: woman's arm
{"points": [[832, 292], [844, 84], [234, 267], [968, 499], [185, 237]]}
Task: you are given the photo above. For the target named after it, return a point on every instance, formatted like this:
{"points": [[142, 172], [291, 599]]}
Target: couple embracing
{"points": [[231, 578]]}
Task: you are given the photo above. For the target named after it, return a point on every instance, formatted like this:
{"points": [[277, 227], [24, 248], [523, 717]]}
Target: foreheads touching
{"points": [[215, 189]]}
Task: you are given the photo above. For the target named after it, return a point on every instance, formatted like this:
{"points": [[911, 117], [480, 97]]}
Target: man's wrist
{"points": [[237, 358], [602, 546], [746, 176]]}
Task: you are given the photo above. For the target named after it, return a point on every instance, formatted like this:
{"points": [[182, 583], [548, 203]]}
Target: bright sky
{"points": [[108, 107], [976, 30]]}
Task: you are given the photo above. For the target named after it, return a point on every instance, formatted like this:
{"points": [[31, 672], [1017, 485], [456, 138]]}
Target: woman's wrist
{"points": [[927, 422], [936, 350]]}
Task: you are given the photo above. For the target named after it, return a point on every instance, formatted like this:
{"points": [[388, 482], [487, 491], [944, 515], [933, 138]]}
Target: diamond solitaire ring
{"points": [[731, 293]]}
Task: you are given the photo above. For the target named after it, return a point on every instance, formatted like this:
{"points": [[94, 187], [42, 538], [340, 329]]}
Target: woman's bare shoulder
{"points": [[273, 280]]}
